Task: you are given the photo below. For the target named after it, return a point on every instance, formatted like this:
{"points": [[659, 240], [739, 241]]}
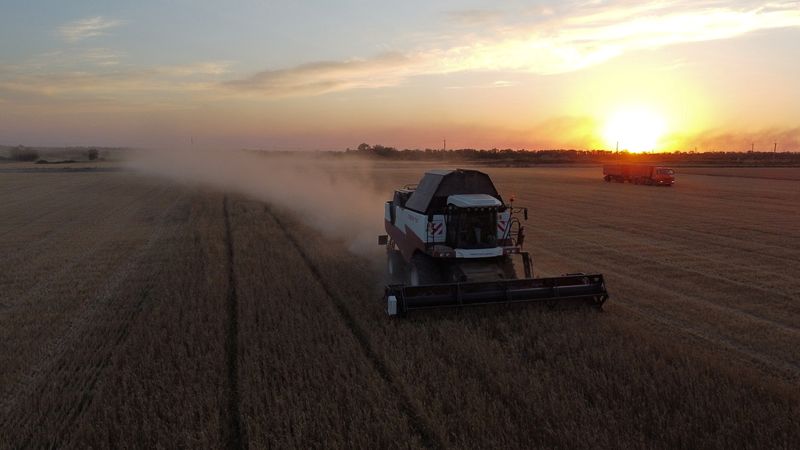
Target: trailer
{"points": [[639, 174]]}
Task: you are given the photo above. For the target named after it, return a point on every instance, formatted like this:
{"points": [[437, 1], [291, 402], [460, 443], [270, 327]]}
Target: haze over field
{"points": [[670, 75], [336, 198]]}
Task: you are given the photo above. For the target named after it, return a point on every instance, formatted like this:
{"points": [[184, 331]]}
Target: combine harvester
{"points": [[452, 242]]}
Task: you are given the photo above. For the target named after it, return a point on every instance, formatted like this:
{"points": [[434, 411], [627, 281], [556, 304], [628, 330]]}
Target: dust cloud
{"points": [[336, 198]]}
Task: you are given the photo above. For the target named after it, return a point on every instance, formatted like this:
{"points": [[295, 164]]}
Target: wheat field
{"points": [[136, 312]]}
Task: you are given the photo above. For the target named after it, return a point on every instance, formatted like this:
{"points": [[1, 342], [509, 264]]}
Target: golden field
{"points": [[135, 312]]}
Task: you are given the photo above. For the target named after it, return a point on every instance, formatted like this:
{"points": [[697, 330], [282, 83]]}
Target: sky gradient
{"points": [[669, 75]]}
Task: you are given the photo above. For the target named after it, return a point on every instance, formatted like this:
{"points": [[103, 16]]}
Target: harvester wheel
{"points": [[395, 266], [423, 270], [508, 269], [597, 302]]}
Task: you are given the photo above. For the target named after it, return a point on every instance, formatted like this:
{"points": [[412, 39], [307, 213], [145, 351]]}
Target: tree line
{"points": [[557, 156]]}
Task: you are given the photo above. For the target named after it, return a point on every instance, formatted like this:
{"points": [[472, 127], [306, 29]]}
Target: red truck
{"points": [[639, 174]]}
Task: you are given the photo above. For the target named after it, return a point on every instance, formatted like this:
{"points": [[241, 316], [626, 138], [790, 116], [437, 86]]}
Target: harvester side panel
{"points": [[407, 241]]}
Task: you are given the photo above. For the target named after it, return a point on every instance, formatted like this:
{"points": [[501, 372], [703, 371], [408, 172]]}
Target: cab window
{"points": [[471, 227]]}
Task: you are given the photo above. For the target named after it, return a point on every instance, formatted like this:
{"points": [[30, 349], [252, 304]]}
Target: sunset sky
{"points": [[668, 75]]}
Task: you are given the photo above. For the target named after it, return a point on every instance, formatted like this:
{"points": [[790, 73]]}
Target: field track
{"points": [[137, 313], [85, 328], [429, 439], [233, 432]]}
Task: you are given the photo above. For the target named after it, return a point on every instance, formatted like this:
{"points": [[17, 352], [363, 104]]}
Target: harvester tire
{"points": [[508, 268], [395, 266], [423, 270]]}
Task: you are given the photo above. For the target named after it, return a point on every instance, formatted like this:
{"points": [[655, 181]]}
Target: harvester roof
{"points": [[434, 188]]}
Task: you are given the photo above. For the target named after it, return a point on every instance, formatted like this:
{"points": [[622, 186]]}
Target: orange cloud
{"points": [[328, 76], [557, 45]]}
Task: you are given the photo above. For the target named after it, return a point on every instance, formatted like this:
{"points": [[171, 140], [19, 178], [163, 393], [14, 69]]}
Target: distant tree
{"points": [[363, 147], [92, 153], [21, 153]]}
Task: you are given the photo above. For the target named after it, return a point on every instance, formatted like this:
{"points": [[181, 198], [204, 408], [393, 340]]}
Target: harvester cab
{"points": [[452, 241]]}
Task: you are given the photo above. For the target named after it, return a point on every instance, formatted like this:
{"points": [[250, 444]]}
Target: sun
{"points": [[634, 129]]}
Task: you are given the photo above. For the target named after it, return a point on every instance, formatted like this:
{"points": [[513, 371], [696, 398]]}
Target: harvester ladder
{"points": [[512, 230]]}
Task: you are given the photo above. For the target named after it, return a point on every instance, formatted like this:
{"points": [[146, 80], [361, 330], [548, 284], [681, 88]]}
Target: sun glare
{"points": [[635, 130]]}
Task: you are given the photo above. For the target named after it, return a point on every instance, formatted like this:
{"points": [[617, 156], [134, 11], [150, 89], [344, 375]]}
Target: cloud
{"points": [[578, 41], [87, 28], [101, 56], [201, 68], [93, 74], [493, 85], [474, 16], [328, 76], [568, 40], [118, 88], [65, 60], [569, 37]]}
